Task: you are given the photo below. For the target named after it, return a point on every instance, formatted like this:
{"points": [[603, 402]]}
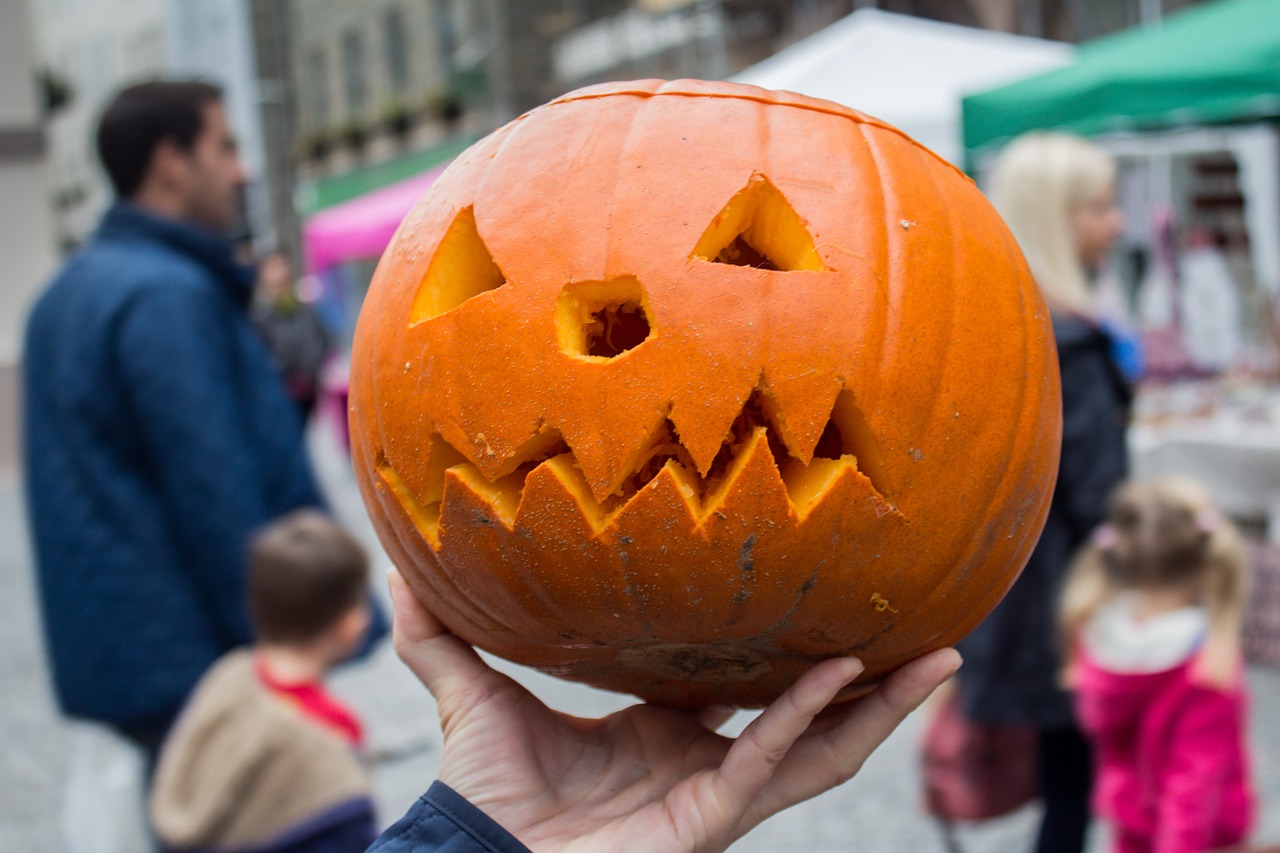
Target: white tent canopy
{"points": [[910, 72]]}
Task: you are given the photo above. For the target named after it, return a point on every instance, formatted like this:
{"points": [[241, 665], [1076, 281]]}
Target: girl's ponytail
{"points": [[1218, 663]]}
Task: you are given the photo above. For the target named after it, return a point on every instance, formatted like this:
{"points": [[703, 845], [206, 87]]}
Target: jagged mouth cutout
{"points": [[605, 320]]}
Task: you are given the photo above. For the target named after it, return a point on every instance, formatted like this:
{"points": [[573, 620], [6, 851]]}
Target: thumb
{"points": [[443, 663]]}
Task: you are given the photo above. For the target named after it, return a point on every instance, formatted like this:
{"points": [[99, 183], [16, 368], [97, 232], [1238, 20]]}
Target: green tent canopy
{"points": [[1214, 63]]}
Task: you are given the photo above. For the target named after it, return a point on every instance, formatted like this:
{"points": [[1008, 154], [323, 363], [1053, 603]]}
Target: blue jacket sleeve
{"points": [[181, 369], [442, 821]]}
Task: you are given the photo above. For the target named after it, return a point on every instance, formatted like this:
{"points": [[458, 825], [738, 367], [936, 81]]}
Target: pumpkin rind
{"points": [[498, 456]]}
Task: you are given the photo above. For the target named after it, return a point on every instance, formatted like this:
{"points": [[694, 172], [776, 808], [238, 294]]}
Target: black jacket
{"points": [[1012, 659]]}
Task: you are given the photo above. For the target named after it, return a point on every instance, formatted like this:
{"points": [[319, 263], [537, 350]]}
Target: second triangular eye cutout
{"points": [[759, 228], [462, 268]]}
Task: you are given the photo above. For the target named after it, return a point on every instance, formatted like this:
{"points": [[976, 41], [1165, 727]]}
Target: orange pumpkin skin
{"points": [[846, 449]]}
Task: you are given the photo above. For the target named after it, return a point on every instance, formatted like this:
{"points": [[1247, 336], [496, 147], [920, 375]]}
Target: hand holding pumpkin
{"points": [[558, 782]]}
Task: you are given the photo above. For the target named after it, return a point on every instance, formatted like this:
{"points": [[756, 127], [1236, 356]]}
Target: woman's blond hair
{"points": [[1160, 533], [1039, 183]]}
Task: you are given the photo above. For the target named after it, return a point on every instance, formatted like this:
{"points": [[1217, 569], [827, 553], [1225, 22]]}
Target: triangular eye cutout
{"points": [[462, 268], [759, 228]]}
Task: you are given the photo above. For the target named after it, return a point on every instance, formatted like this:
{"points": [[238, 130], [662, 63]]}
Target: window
{"points": [[446, 33], [397, 55], [318, 88], [354, 71]]}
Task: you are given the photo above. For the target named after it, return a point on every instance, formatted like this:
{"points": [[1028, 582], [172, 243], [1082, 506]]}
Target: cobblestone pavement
{"points": [[877, 812]]}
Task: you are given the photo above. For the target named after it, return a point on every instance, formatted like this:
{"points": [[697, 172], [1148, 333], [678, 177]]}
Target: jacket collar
{"points": [[216, 254]]}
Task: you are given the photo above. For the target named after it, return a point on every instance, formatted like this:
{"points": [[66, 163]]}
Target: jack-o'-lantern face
{"points": [[678, 388]]}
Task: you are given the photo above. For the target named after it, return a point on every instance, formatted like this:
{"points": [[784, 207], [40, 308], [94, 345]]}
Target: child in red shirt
{"points": [[1152, 614], [263, 759]]}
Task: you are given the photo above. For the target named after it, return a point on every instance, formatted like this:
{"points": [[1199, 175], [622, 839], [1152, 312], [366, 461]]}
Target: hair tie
{"points": [[1104, 537], [1208, 519]]}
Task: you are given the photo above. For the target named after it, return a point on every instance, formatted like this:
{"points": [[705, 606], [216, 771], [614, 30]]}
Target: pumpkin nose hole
{"points": [[602, 319], [616, 328]]}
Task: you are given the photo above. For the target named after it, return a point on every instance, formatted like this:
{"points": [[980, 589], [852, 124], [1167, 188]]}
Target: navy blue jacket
{"points": [[158, 437], [1011, 661], [442, 821]]}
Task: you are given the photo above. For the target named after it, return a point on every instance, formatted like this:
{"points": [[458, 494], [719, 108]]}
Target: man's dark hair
{"points": [[305, 574], [142, 116]]}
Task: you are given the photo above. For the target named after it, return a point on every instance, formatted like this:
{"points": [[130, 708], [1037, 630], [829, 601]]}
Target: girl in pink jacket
{"points": [[1151, 614]]}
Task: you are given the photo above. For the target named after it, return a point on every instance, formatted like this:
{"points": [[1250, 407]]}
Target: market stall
{"points": [[908, 71], [1193, 102], [1191, 110]]}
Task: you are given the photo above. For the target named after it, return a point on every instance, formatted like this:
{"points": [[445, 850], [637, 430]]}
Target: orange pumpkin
{"points": [[677, 388]]}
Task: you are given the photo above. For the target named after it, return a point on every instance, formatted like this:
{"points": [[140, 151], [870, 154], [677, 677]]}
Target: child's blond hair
{"points": [[1160, 533]]}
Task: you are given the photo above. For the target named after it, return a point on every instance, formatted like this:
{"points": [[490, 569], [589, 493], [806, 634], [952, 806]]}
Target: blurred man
{"points": [[158, 434]]}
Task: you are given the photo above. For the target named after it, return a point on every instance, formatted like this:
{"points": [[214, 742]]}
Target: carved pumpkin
{"points": [[678, 388]]}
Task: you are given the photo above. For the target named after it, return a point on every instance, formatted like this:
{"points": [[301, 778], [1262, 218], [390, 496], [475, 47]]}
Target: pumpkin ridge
{"points": [[810, 104], [980, 542], [1049, 388], [893, 208]]}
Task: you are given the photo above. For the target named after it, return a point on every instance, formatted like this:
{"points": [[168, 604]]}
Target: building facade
{"points": [[379, 79], [92, 48], [26, 228]]}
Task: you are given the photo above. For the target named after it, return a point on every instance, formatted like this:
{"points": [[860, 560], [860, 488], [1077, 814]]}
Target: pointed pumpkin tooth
{"points": [[477, 556], [703, 421], [425, 517], [420, 567], [668, 502], [558, 500], [500, 497], [799, 406], [558, 539], [609, 453], [751, 485], [809, 485]]}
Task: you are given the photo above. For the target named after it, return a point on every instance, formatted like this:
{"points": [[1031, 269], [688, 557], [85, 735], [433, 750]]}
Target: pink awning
{"points": [[362, 227]]}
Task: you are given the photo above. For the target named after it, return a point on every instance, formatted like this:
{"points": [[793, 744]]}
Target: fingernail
{"points": [[959, 662], [853, 668]]}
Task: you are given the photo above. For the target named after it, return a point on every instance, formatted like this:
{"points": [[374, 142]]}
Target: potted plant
{"points": [[445, 105], [396, 118], [353, 134], [314, 146]]}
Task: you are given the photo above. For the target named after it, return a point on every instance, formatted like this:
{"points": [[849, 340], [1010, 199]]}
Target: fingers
{"points": [[829, 756], [903, 691], [755, 755], [443, 663], [872, 718]]}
